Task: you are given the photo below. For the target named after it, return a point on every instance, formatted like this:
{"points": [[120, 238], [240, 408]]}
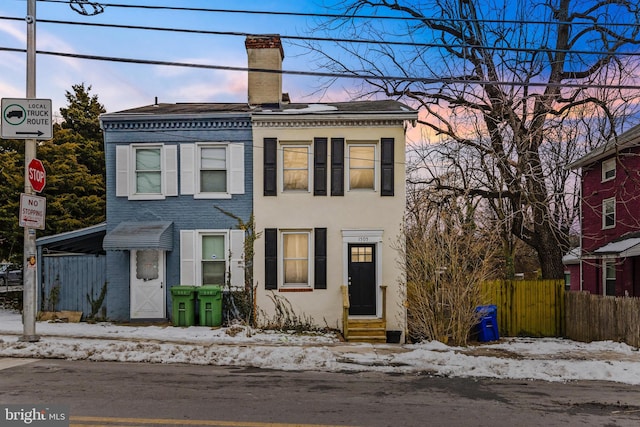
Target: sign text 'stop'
{"points": [[37, 175]]}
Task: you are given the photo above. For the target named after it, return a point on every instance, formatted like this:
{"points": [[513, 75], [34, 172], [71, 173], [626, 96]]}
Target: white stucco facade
{"points": [[360, 216]]}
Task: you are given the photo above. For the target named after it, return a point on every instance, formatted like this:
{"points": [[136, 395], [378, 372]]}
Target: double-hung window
{"points": [[295, 258], [361, 166], [212, 257], [609, 213], [295, 168], [609, 169], [609, 277], [212, 170], [146, 171]]}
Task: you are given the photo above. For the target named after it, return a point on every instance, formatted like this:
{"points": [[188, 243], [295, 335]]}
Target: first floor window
{"points": [[295, 258], [213, 259], [609, 278], [148, 171], [609, 213], [361, 167]]}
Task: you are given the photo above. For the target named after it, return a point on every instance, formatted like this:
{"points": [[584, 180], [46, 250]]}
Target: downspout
{"points": [[580, 213]]}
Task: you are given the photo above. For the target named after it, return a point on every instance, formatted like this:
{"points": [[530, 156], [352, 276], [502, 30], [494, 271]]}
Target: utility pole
{"points": [[30, 264]]}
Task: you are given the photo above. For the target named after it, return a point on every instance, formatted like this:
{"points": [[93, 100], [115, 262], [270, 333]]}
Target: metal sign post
{"points": [[29, 276]]}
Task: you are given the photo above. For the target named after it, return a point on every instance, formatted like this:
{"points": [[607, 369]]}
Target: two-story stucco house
{"points": [[174, 171], [329, 200], [609, 258]]}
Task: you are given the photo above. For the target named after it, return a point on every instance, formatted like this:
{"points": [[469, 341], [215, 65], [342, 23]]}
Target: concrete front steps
{"points": [[372, 331]]}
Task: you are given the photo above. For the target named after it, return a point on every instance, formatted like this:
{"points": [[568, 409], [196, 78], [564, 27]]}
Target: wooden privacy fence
{"points": [[597, 318], [533, 308]]}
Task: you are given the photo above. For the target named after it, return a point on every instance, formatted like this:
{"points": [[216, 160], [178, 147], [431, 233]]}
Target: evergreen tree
{"points": [[74, 161]]}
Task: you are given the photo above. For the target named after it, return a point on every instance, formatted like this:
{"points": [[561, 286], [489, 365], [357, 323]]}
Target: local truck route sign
{"points": [[26, 119], [32, 211]]}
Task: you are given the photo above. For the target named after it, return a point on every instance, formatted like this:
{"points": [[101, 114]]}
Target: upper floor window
{"points": [[609, 169], [361, 166], [146, 172], [609, 213], [212, 170], [330, 166], [295, 168]]}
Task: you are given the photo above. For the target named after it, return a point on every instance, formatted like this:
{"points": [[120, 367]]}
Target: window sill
{"points": [[295, 290], [212, 196], [147, 197]]}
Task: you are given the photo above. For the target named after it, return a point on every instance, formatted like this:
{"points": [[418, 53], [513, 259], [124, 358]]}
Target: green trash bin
{"points": [[210, 301], [184, 305]]}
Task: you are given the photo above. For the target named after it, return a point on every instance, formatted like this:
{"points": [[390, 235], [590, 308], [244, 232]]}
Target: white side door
{"points": [[147, 281]]}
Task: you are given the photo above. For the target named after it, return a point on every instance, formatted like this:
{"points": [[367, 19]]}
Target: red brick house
{"points": [[609, 258]]}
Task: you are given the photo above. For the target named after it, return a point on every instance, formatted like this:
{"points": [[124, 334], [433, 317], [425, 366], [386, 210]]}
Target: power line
{"points": [[331, 40], [342, 16], [424, 80]]}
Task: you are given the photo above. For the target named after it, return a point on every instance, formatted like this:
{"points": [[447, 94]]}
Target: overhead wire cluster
{"points": [[91, 8]]}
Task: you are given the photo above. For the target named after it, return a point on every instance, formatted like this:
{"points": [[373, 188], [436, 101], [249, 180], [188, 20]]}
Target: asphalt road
{"points": [[125, 394]]}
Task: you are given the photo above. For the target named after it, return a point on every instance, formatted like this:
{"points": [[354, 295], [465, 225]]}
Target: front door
{"points": [[147, 284], [362, 279]]}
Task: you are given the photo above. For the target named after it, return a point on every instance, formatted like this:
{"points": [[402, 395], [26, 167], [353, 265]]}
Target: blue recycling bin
{"points": [[487, 327]]}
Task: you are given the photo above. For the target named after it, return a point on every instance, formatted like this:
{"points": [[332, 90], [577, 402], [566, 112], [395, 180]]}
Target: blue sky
{"points": [[120, 86]]}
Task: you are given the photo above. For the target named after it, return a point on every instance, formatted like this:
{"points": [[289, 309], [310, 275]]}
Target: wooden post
{"points": [[345, 312], [384, 302]]}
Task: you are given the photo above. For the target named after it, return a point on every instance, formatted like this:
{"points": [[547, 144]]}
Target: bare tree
{"points": [[509, 93], [447, 258]]}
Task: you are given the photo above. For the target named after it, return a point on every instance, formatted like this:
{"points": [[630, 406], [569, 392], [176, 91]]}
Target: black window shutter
{"points": [[337, 166], [270, 258], [387, 163], [270, 166], [320, 166], [320, 253]]}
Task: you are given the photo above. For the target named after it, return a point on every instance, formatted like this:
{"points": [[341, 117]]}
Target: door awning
{"points": [[623, 248], [140, 235]]}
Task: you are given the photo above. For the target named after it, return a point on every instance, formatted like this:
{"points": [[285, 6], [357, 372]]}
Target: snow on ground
{"points": [[547, 359]]}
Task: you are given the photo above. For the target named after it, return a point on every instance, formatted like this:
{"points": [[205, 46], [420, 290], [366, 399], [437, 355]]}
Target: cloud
{"points": [[14, 31]]}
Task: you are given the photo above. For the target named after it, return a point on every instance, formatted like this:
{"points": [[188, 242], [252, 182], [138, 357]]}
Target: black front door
{"points": [[362, 279]]}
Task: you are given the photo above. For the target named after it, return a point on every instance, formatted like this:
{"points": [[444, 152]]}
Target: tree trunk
{"points": [[550, 255]]}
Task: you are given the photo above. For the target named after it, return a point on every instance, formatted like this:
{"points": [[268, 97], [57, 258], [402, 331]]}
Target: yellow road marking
{"points": [[77, 421]]}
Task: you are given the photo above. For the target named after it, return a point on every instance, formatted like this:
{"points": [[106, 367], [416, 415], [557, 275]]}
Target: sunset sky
{"points": [[123, 85]]}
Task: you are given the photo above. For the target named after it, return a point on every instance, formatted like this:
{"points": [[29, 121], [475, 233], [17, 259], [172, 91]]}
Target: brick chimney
{"points": [[265, 53]]}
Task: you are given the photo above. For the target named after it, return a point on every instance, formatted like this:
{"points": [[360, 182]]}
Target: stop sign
{"points": [[37, 175]]}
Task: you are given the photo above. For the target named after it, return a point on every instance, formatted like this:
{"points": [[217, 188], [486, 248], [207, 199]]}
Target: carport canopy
{"points": [[140, 235]]}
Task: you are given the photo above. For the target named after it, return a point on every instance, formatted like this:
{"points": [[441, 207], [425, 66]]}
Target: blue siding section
{"points": [[76, 276], [185, 212]]}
